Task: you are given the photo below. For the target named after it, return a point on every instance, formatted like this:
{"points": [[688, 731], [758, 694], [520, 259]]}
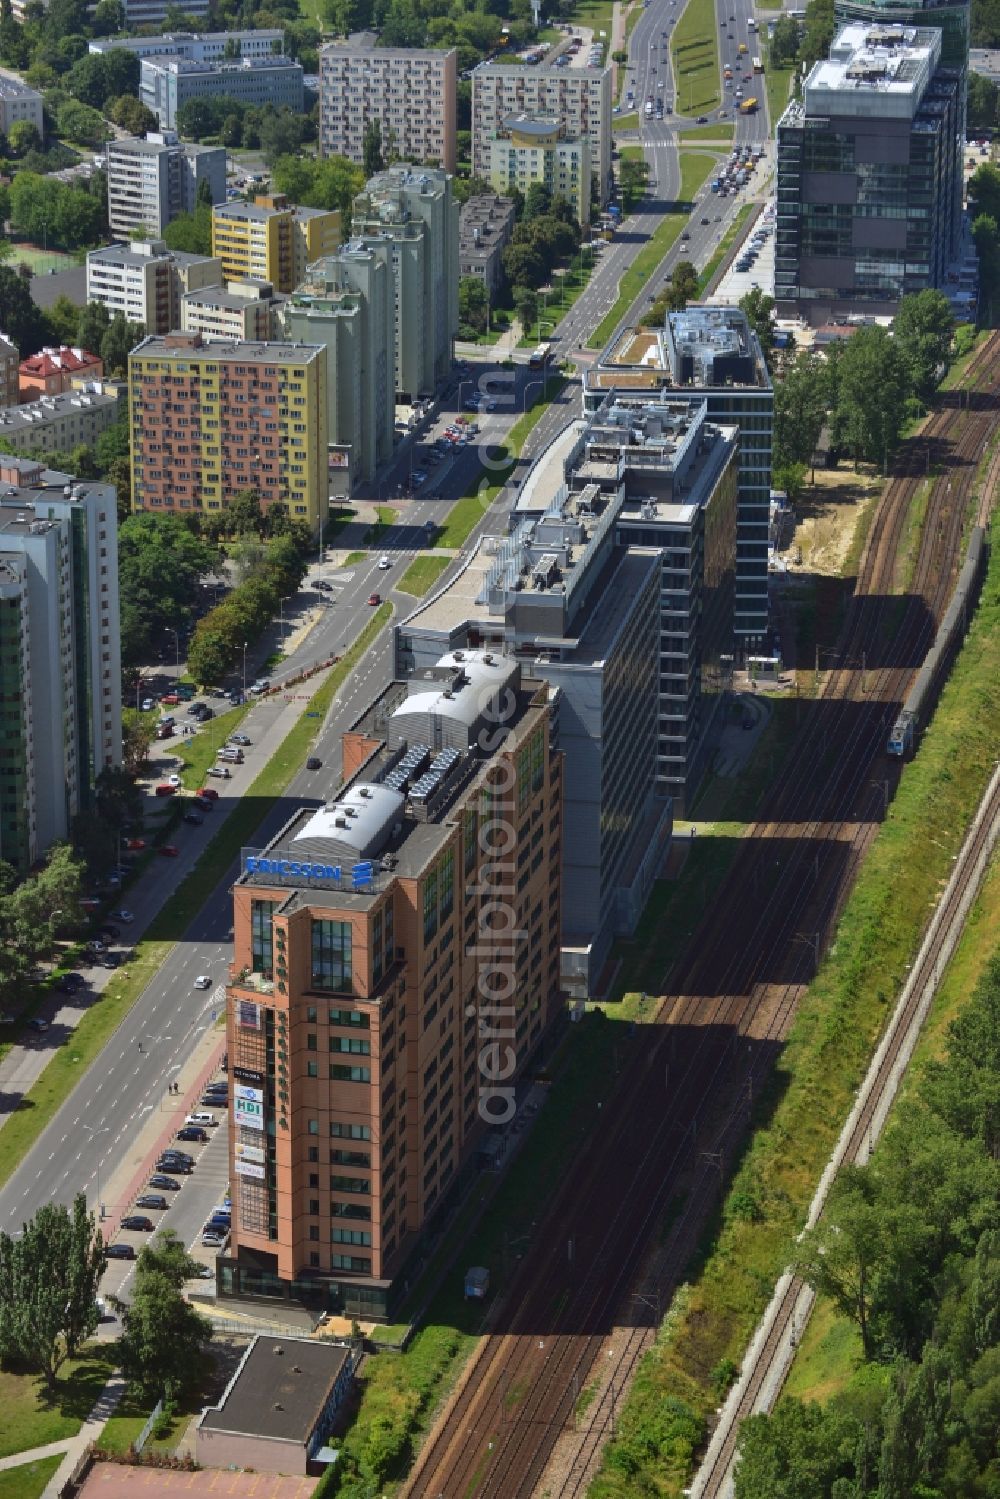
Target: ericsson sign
{"points": [[353, 877]]}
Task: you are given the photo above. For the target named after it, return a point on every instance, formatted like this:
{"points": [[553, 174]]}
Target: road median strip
{"points": [[46, 1096]]}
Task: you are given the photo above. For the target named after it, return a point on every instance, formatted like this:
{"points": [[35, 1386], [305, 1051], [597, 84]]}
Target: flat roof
{"points": [[546, 477], [221, 65], [607, 611], [90, 397], [356, 46], [459, 599], [224, 350], [279, 1389], [117, 254]]}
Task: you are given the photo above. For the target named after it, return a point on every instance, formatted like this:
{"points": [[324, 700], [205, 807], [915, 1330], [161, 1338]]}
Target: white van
{"points": [[206, 1121]]}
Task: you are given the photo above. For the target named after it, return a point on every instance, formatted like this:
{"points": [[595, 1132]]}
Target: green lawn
{"points": [[694, 49], [42, 261], [625, 122], [353, 558], [777, 82], [567, 288], [199, 752], [28, 1481], [385, 517], [70, 1061], [31, 1419], [422, 574], [695, 167], [723, 131]]}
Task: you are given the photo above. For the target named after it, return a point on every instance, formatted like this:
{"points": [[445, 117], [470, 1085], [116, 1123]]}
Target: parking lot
{"points": [[753, 265]]}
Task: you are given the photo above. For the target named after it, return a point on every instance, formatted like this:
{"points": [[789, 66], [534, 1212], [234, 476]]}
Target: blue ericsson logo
{"points": [[360, 875]]}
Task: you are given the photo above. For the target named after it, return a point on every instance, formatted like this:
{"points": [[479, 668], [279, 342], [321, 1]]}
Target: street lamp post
{"points": [[524, 393], [177, 648], [281, 621], [93, 1132], [244, 671]]}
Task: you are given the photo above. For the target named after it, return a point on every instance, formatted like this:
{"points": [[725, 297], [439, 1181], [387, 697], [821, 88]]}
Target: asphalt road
{"points": [[85, 1139]]}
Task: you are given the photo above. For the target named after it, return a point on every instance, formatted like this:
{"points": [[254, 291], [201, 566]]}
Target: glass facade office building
{"points": [[869, 192]]}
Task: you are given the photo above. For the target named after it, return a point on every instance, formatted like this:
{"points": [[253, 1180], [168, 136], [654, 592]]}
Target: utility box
{"points": [[477, 1283]]}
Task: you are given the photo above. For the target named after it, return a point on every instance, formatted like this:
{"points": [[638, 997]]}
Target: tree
{"points": [[160, 563], [331, 183], [23, 137], [79, 122], [161, 1332], [923, 329], [799, 1452], [871, 395], [49, 1277], [790, 478], [473, 304], [984, 188], [634, 175], [525, 300], [801, 398], [785, 41], [63, 317], [523, 265], [683, 286], [818, 33], [983, 103], [132, 115], [842, 1256], [41, 207], [20, 318], [281, 134], [372, 148], [119, 340], [759, 309], [191, 232], [244, 514], [137, 738], [210, 655], [537, 200]]}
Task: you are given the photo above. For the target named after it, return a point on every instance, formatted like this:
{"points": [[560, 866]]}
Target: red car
{"points": [[135, 845], [170, 697], [208, 791], [374, 599], [166, 790], [169, 851]]}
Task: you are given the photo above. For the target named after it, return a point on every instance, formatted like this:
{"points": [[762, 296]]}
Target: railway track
{"points": [[681, 1105], [772, 1350]]}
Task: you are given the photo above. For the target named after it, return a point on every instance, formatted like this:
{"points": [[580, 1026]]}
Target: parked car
{"points": [[174, 1168], [138, 1223], [209, 792], [152, 1200], [148, 705], [165, 1183], [195, 818], [169, 851], [212, 1240], [192, 1132], [218, 770], [120, 1252], [261, 685], [239, 739], [166, 789], [201, 1121], [37, 1023], [171, 699], [71, 982], [124, 915], [135, 845], [111, 960]]}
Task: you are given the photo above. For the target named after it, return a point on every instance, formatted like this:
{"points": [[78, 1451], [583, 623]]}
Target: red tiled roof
{"points": [[55, 361]]}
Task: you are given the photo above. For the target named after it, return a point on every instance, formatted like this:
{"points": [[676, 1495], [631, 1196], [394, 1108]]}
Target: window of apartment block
{"points": [[430, 905], [446, 871], [331, 955], [262, 936]]}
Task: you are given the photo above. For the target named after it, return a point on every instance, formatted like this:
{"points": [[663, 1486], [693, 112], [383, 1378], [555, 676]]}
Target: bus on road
{"points": [[758, 65], [539, 357]]}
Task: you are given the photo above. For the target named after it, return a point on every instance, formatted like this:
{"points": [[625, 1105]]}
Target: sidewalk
{"points": [[107, 1404]]}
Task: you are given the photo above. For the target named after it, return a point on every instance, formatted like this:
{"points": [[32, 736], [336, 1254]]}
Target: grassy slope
{"points": [[422, 574], [830, 1350], [30, 1419], [69, 1063], [828, 1050]]}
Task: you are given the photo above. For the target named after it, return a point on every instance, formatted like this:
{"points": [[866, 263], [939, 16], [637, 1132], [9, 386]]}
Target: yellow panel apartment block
{"points": [[271, 240]]}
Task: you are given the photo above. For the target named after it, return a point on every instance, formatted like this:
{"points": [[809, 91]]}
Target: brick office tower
{"points": [[379, 1013]]}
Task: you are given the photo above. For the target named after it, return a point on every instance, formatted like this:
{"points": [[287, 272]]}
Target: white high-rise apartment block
{"points": [[410, 91], [60, 664], [151, 181], [146, 282], [578, 98]]}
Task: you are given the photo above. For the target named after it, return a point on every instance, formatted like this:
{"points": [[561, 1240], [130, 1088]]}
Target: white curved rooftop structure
{"points": [[359, 823]]}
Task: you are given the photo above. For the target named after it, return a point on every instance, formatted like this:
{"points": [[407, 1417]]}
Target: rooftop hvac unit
{"points": [[340, 822]]}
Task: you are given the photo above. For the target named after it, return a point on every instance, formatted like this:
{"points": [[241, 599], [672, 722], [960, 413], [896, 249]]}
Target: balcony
{"points": [[245, 978]]}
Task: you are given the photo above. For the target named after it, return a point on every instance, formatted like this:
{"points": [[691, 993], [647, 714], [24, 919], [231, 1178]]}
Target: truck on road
{"points": [[748, 107]]}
